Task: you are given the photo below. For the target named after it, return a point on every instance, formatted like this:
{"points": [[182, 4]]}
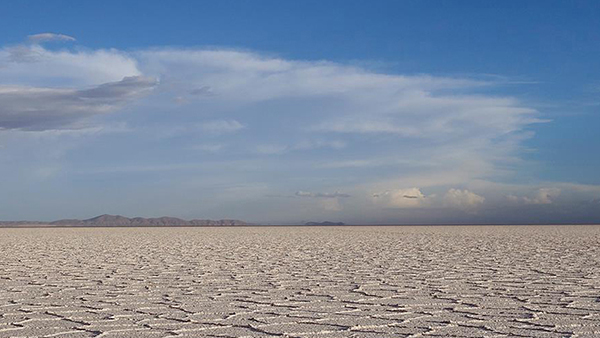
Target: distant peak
{"points": [[106, 216]]}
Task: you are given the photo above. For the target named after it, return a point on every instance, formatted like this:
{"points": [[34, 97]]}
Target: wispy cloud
{"points": [[35, 66], [46, 37], [278, 149], [221, 126], [336, 194], [210, 147], [365, 127], [271, 149]]}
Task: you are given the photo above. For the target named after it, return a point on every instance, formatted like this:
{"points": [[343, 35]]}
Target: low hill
{"points": [[122, 221], [325, 223]]}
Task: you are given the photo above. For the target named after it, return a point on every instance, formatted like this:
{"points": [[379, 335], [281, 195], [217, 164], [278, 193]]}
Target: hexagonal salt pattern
{"points": [[322, 282]]}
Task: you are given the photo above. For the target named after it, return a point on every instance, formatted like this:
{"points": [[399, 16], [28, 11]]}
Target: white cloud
{"points": [[437, 114], [45, 37], [462, 199], [414, 198], [36, 66], [352, 128], [402, 198], [543, 196], [365, 127], [358, 101], [250, 77]]}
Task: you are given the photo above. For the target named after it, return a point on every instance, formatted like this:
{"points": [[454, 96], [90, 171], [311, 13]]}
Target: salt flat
{"points": [[467, 281]]}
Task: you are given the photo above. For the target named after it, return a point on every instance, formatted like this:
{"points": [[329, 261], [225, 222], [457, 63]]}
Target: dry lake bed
{"points": [[425, 281]]}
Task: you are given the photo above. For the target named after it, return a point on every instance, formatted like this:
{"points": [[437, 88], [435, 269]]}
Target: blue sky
{"points": [[283, 112]]}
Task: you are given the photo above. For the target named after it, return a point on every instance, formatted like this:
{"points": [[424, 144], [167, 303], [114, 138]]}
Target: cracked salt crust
{"points": [[326, 282]]}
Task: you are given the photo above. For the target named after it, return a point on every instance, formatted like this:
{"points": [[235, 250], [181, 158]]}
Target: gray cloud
{"points": [[34, 108], [130, 86], [202, 91]]}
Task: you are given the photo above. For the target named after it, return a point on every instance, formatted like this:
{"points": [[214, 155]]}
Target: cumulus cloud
{"points": [[414, 198], [32, 108], [542, 196], [402, 198], [46, 37], [463, 199]]}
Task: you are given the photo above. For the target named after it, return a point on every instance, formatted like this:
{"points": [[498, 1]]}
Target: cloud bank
{"points": [[219, 119]]}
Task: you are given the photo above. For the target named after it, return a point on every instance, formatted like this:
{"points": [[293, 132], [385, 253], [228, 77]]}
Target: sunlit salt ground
{"points": [[471, 281]]}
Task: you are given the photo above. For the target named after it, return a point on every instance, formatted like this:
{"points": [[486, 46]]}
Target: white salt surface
{"points": [[471, 281]]}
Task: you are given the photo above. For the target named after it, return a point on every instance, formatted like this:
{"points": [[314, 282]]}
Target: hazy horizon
{"points": [[415, 112], [308, 221]]}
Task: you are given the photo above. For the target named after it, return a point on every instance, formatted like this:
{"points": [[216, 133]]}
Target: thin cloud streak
{"points": [[46, 37]]}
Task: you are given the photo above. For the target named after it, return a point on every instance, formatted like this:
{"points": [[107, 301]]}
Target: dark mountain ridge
{"points": [[122, 221], [325, 223]]}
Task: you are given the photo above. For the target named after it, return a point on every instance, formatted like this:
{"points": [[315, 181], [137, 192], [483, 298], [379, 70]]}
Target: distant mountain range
{"points": [[325, 223], [121, 221]]}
